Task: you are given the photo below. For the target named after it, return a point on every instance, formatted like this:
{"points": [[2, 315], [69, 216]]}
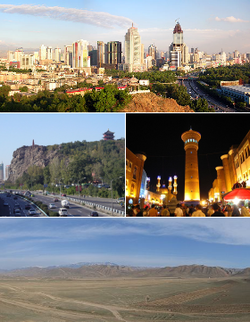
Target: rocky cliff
{"points": [[27, 156]]}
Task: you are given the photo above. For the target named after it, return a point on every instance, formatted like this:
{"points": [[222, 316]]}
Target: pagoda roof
{"points": [[108, 132]]}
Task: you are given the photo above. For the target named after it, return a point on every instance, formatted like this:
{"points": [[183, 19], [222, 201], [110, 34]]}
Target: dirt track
{"points": [[48, 299]]}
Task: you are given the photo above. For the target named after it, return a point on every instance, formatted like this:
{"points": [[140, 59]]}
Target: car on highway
{"points": [[63, 195], [94, 214], [52, 206], [120, 200], [5, 204], [55, 200], [63, 212], [27, 207], [17, 212], [32, 212]]}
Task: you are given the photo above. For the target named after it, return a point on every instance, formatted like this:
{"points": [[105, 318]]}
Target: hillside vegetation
{"points": [[78, 162]]}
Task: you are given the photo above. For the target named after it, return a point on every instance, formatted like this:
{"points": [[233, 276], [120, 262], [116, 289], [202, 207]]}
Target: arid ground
{"points": [[125, 299]]}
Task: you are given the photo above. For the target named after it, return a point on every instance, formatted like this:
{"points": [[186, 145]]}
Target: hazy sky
{"points": [[125, 241], [17, 130], [209, 25]]}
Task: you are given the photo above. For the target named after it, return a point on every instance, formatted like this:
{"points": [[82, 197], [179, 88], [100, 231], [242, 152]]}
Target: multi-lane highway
{"points": [[16, 206], [196, 92], [78, 206], [83, 206]]}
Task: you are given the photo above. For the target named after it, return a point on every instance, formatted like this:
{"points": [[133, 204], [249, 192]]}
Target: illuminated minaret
{"points": [[158, 184], [192, 186], [175, 185]]}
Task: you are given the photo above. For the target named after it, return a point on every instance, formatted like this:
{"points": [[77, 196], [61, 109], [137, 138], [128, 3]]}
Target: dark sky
{"points": [[158, 135]]}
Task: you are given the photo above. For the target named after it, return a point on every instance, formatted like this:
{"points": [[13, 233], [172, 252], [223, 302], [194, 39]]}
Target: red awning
{"points": [[240, 193]]}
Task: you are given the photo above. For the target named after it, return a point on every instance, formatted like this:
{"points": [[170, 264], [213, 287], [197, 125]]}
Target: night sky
{"points": [[159, 137]]}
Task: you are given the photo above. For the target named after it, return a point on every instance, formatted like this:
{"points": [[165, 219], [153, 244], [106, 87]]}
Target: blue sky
{"points": [[17, 130], [125, 241], [209, 25]]}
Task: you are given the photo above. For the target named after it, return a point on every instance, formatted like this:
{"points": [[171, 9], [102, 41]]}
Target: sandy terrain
{"points": [[129, 300]]}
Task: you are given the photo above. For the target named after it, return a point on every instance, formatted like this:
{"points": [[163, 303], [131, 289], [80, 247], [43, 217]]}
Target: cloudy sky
{"points": [[55, 128], [209, 25], [125, 241]]}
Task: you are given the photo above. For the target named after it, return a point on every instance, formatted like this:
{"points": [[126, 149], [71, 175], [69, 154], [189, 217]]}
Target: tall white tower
{"points": [[133, 47]]}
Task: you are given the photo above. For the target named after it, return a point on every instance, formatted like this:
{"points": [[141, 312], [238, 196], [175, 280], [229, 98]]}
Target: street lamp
{"points": [[111, 181]]}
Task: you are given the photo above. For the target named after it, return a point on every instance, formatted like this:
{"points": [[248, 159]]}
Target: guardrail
{"points": [[34, 205], [122, 213]]}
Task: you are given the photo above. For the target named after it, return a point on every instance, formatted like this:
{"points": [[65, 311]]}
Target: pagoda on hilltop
{"points": [[107, 136]]}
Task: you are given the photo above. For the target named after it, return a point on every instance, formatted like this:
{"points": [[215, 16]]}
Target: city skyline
{"points": [[55, 129], [210, 27], [134, 242]]}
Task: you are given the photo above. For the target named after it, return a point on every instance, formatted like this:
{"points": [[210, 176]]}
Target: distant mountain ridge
{"points": [[112, 270]]}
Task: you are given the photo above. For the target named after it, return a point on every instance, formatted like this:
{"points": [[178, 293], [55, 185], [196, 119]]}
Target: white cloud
{"points": [[101, 19], [230, 19], [230, 231]]}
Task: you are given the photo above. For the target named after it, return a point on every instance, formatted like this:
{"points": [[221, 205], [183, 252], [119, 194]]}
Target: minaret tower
{"points": [[192, 186], [158, 184]]}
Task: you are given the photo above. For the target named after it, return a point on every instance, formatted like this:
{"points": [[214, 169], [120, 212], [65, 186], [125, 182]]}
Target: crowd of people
{"points": [[183, 210]]}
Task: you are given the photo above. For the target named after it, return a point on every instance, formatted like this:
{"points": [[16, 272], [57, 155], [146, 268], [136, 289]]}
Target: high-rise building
{"points": [[93, 57], [101, 53], [49, 53], [192, 186], [7, 172], [26, 61], [114, 52], [80, 54], [68, 55], [133, 50], [178, 44], [1, 172], [10, 56], [152, 50], [175, 58], [57, 55], [42, 52], [18, 53]]}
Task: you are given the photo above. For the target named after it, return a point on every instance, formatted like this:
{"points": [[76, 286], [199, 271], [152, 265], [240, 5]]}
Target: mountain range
{"points": [[111, 270]]}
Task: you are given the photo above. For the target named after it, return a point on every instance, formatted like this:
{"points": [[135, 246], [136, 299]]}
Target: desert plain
{"points": [[144, 299]]}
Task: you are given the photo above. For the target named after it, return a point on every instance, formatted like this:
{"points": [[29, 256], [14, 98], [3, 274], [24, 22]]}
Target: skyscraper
{"points": [[192, 186], [80, 54], [178, 45], [42, 52], [101, 53], [1, 172], [133, 50], [49, 53], [7, 172], [152, 50], [114, 52], [57, 55], [68, 55]]}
